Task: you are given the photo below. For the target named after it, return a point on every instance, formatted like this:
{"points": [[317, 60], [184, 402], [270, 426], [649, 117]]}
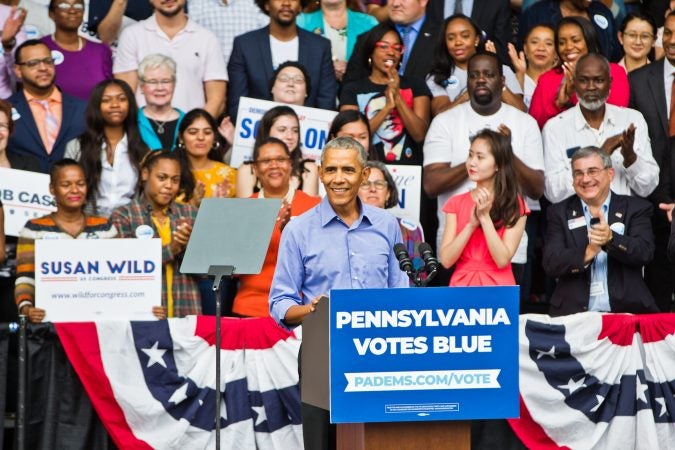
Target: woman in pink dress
{"points": [[484, 226]]}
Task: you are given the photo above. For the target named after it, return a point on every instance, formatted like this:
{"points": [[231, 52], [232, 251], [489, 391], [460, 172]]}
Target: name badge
{"points": [[576, 223], [597, 288]]}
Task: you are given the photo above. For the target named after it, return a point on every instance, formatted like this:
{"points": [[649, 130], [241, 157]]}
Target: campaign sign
{"points": [[423, 354], [408, 181], [25, 196], [81, 280], [314, 126]]}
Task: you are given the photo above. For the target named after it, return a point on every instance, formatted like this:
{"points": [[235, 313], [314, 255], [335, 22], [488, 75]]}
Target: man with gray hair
{"points": [[597, 242], [341, 243], [620, 132]]}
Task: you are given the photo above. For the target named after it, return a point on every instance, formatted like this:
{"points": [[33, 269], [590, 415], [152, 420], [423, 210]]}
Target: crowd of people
{"points": [[494, 99], [543, 128]]}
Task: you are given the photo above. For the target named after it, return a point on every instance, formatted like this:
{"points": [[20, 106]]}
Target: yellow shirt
{"points": [[164, 232], [216, 175]]}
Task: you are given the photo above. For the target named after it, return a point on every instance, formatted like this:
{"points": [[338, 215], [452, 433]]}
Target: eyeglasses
{"points": [[156, 83], [380, 185], [635, 36], [386, 45], [66, 6], [268, 161], [33, 63], [593, 172], [287, 78]]}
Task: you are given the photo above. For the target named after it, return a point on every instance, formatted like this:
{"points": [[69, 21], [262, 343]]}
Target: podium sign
{"points": [[423, 354], [81, 280]]}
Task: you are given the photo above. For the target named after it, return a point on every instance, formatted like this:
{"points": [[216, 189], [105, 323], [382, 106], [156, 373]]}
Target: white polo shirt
{"points": [[448, 142], [569, 130], [195, 49]]}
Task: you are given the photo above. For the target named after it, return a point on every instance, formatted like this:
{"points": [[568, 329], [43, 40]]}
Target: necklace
{"points": [[159, 124]]}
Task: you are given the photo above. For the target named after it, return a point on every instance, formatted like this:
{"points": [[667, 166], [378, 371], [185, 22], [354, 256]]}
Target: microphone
{"points": [[404, 261], [427, 255]]}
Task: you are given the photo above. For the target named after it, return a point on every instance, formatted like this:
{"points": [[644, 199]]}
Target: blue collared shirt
{"points": [[319, 252], [415, 28], [598, 302]]}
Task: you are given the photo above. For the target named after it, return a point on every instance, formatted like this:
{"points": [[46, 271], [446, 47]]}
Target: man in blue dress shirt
{"points": [[341, 243]]}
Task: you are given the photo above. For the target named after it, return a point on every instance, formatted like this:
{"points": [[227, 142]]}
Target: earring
{"points": [[216, 144], [370, 62], [180, 145]]}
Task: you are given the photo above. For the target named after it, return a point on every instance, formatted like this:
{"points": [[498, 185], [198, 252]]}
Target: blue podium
{"points": [[410, 367]]}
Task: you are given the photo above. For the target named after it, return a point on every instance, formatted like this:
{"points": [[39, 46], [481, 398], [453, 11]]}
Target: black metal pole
{"points": [[216, 289], [21, 385], [218, 273]]}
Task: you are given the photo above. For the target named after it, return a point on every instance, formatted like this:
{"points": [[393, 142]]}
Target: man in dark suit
{"points": [[597, 243], [651, 93], [422, 29], [256, 54], [45, 118]]}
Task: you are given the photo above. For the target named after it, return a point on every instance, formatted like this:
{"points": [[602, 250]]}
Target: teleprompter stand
{"points": [[230, 236], [315, 390]]}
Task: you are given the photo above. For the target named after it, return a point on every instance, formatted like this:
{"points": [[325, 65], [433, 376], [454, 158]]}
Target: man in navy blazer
{"points": [[34, 66], [597, 243], [651, 93], [252, 62]]}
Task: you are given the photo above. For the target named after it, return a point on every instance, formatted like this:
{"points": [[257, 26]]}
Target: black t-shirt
{"points": [[390, 141], [168, 131]]}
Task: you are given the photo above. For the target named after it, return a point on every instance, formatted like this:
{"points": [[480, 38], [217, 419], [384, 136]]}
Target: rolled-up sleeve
{"points": [[288, 277]]}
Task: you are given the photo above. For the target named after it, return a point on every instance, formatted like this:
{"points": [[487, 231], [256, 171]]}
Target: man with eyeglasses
{"points": [[201, 77], [45, 118], [620, 132], [258, 53], [597, 242]]}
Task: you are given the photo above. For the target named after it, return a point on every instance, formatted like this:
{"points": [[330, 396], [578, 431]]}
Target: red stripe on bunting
{"points": [[252, 334], [621, 328], [80, 342]]}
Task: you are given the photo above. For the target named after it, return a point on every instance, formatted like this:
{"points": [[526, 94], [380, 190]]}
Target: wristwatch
{"points": [[9, 45]]}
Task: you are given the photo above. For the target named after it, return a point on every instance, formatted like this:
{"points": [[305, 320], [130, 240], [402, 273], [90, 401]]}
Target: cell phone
{"points": [[595, 220]]}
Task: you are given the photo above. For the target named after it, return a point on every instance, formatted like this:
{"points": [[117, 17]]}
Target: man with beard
{"points": [[256, 54], [201, 75], [597, 242], [446, 146], [620, 132], [45, 118]]}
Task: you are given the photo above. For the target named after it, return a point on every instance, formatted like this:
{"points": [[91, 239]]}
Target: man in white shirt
{"points": [[201, 75], [227, 19], [446, 146], [620, 132]]}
